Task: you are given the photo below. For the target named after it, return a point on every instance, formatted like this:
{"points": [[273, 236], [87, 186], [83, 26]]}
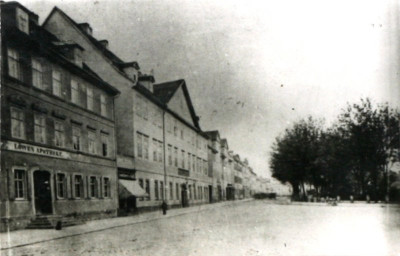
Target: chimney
{"points": [[86, 27], [147, 81], [104, 43]]}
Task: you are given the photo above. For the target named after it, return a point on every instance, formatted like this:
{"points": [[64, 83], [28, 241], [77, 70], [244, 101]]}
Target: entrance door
{"points": [[184, 196], [210, 194], [42, 191]]}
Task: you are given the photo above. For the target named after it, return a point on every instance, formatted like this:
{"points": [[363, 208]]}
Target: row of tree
{"points": [[351, 157]]}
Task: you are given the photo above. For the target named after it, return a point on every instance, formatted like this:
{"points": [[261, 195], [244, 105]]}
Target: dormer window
{"points": [[22, 20]]}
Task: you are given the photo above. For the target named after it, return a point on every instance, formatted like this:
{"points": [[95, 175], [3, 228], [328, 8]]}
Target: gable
{"points": [[179, 105]]}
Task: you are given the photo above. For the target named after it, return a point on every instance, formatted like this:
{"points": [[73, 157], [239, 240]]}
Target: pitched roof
{"points": [[165, 91], [116, 61]]}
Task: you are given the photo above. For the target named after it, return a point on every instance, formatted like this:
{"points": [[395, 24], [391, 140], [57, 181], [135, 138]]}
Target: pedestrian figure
{"points": [[368, 198], [351, 199], [164, 207]]}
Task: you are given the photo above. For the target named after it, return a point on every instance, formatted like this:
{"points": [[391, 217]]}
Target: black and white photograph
{"points": [[200, 127]]}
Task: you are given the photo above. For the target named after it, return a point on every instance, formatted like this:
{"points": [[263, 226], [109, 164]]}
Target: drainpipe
{"points": [[164, 204]]}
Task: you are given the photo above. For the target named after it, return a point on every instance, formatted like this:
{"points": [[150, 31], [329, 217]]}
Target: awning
{"points": [[129, 188]]}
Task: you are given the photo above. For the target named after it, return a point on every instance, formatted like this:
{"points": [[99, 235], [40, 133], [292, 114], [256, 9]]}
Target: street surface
{"points": [[247, 228]]}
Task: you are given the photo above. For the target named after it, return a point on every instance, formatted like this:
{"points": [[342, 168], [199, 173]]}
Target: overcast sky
{"points": [[254, 67]]}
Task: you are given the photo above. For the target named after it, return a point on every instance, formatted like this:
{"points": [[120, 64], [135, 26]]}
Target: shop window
{"points": [[78, 186], [37, 74], [19, 183], [40, 128], [156, 197], [59, 134], [142, 186], [14, 65], [61, 185], [171, 191], [162, 190], [148, 189], [56, 78], [106, 187], [17, 123]]}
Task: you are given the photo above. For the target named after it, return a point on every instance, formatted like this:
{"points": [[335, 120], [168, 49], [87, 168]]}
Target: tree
{"points": [[294, 155]]}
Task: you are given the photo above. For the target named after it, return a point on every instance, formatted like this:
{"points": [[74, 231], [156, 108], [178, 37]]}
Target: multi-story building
{"points": [[215, 165], [58, 154], [162, 154]]}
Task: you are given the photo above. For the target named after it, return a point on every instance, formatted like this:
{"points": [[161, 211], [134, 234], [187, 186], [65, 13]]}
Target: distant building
{"points": [[58, 154]]}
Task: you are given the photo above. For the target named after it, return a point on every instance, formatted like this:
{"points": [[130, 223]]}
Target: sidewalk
{"points": [[25, 237]]}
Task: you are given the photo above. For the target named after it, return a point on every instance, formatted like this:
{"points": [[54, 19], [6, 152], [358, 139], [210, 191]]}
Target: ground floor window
{"points": [[93, 187], [162, 189], [142, 186], [106, 187], [177, 191], [156, 190], [78, 186], [148, 189], [19, 183], [61, 185]]}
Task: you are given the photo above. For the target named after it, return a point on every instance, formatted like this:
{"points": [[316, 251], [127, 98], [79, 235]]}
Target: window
{"points": [[148, 189], [59, 134], [103, 105], [183, 159], [106, 187], [155, 149], [205, 167], [61, 185], [160, 151], [188, 161], [139, 144], [37, 74], [146, 147], [171, 191], [56, 83], [78, 186], [74, 92], [141, 185], [104, 144], [169, 155], [175, 128], [22, 20], [13, 64], [89, 98], [17, 123], [93, 187], [156, 190], [76, 137], [176, 156], [92, 142], [19, 183], [162, 189], [177, 191], [194, 162], [40, 128], [194, 192]]}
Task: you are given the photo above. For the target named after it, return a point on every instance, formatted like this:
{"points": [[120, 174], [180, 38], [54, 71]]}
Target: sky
{"points": [[253, 68]]}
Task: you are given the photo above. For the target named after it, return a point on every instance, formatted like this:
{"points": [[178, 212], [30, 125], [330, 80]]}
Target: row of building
{"points": [[86, 135]]}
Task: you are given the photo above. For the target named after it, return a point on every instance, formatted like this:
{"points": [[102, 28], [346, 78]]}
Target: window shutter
{"points": [[11, 186], [29, 183]]}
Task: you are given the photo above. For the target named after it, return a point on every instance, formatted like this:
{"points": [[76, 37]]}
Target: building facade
{"points": [[58, 154]]}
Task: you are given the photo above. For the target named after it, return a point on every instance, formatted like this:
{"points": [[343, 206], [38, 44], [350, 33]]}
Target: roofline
{"points": [[75, 25]]}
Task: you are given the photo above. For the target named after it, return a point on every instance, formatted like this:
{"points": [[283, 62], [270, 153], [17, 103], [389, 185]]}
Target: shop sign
{"points": [[36, 150]]}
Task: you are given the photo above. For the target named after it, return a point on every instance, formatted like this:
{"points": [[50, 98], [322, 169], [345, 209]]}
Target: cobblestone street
{"points": [[243, 228]]}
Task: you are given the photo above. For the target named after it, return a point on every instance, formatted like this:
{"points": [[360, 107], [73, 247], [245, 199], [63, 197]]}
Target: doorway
{"points": [[42, 192], [210, 193], [184, 196]]}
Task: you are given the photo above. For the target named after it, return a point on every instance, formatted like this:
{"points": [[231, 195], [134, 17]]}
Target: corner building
{"points": [[58, 158], [161, 152]]}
